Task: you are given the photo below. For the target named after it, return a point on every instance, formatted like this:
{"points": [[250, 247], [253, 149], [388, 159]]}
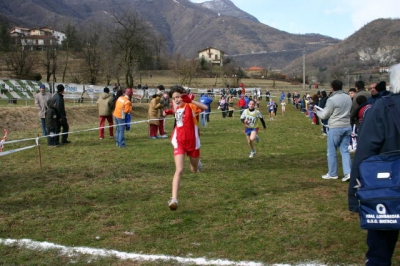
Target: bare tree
{"points": [[71, 43], [186, 69], [50, 62], [159, 45], [92, 54], [21, 62], [131, 43]]}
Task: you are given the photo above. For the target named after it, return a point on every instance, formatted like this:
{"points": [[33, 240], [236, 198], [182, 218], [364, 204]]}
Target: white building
{"points": [[36, 38], [212, 55]]}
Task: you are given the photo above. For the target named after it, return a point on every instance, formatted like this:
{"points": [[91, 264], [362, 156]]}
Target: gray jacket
{"points": [[41, 103], [337, 110]]}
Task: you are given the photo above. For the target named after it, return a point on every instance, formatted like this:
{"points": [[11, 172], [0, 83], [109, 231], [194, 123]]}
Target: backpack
{"points": [[379, 186], [379, 194]]}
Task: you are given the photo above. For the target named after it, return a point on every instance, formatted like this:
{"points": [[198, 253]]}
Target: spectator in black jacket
{"points": [[322, 103], [377, 134], [52, 118], [378, 90], [63, 122]]}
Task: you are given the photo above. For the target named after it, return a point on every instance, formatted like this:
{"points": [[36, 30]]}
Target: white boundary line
{"points": [[70, 251], [35, 245]]}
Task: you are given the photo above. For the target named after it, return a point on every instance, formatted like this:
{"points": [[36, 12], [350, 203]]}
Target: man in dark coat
{"points": [[59, 99], [377, 134], [52, 119]]}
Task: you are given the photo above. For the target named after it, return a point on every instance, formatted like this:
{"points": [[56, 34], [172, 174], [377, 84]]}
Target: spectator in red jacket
{"points": [[242, 104]]}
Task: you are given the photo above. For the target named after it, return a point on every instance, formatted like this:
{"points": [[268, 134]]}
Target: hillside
{"points": [[186, 27], [375, 45]]}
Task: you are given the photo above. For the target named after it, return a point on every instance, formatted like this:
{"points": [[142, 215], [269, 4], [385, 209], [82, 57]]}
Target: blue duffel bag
{"points": [[379, 192]]}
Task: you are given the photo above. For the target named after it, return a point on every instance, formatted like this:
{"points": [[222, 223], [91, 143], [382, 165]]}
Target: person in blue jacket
{"points": [[207, 100], [247, 100], [377, 134], [282, 96]]}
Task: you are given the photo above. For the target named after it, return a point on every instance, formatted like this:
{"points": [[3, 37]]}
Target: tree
{"points": [[92, 54], [239, 74], [159, 45], [131, 41], [21, 62], [50, 62], [70, 43], [5, 39], [203, 63], [186, 69]]}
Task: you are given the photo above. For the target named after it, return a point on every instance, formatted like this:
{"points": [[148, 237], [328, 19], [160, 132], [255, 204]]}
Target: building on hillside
{"points": [[384, 70], [255, 71], [36, 38], [212, 55]]}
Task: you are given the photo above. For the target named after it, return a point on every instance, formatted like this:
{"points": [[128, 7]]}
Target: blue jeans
{"points": [[203, 120], [120, 132], [339, 138], [44, 131]]}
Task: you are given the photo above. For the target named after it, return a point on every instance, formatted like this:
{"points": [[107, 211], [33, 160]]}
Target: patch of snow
{"points": [[96, 252]]}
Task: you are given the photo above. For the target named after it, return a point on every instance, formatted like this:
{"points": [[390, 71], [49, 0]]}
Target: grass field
{"points": [[273, 208]]}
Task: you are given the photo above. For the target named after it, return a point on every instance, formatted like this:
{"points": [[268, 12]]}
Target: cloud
{"points": [[336, 10], [368, 10]]}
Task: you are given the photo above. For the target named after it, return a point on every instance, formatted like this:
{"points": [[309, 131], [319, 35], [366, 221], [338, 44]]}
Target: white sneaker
{"points": [[252, 154], [346, 178], [199, 166], [164, 136], [327, 176], [173, 204]]}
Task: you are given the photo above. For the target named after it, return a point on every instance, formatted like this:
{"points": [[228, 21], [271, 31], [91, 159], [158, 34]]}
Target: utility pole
{"points": [[348, 80], [304, 69]]}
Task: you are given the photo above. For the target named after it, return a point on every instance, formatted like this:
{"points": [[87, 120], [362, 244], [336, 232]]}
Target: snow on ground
{"points": [[96, 252]]}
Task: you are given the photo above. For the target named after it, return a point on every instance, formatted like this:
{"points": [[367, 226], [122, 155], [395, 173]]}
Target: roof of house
{"points": [[211, 48], [255, 68]]}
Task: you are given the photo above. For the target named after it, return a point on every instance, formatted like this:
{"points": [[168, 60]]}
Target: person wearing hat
{"points": [[41, 103], [59, 99], [105, 105], [378, 90], [123, 106], [155, 116]]}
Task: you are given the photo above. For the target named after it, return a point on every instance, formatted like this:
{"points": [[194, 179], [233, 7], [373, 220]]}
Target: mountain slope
{"points": [[227, 8], [187, 27], [376, 44]]}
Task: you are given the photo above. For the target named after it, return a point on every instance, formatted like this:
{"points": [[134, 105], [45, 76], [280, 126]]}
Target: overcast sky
{"points": [[334, 18]]}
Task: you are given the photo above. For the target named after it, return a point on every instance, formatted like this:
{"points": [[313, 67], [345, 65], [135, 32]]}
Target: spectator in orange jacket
{"points": [[123, 106]]}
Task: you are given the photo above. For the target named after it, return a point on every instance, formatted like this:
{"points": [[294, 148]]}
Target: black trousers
{"points": [[381, 244], [65, 128], [52, 140], [224, 111]]}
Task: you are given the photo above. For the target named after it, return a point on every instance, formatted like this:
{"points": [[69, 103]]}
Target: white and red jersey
{"points": [[186, 132]]}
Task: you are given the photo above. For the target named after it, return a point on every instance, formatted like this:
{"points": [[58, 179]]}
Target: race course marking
{"points": [[35, 245]]}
